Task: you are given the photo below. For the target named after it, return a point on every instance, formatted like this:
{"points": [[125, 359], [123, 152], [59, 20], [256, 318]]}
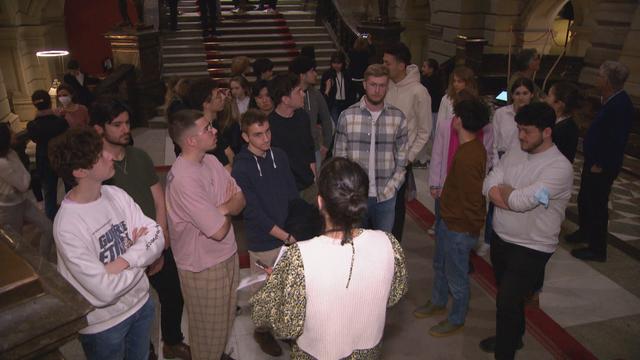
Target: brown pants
{"points": [[210, 298]]}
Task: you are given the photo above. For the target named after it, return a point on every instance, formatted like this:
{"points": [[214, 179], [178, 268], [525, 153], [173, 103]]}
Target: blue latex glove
{"points": [[542, 196]]}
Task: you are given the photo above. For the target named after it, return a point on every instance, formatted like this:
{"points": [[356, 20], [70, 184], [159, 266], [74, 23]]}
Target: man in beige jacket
{"points": [[407, 93]]}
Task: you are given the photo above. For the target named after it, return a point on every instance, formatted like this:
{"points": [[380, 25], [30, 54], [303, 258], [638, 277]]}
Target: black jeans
{"points": [[167, 284], [518, 270], [593, 209], [173, 14], [401, 208], [208, 14]]}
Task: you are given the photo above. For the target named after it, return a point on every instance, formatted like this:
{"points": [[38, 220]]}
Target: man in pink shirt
{"points": [[201, 198]]}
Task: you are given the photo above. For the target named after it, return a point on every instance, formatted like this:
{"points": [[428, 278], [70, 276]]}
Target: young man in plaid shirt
{"points": [[373, 133]]}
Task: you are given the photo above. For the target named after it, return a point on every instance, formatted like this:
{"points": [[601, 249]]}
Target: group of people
{"points": [[320, 179]]}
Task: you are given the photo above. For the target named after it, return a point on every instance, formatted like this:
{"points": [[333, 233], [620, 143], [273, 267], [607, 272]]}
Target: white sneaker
{"points": [[483, 249]]}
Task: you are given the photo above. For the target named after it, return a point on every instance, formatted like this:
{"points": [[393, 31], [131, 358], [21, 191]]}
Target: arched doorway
{"points": [[566, 20]]}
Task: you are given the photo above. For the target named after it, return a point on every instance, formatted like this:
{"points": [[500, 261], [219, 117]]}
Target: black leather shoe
{"points": [[575, 237], [588, 255], [177, 351], [488, 345]]}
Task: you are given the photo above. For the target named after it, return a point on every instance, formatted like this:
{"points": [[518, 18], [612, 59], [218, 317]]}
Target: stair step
{"points": [[263, 53], [195, 40], [266, 22], [269, 30], [279, 69], [283, 61], [259, 15], [185, 64], [182, 49], [250, 46], [182, 57], [281, 7], [273, 37], [185, 74]]}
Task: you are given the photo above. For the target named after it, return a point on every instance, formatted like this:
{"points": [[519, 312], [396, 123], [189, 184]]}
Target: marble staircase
{"points": [[278, 36]]}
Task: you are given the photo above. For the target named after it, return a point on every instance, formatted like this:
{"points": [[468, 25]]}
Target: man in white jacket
{"points": [[407, 94], [104, 244]]}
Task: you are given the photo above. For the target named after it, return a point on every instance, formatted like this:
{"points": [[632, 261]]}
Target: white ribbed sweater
{"points": [[338, 319]]}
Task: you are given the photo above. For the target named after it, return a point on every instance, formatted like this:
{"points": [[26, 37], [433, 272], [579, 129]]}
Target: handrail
{"points": [[344, 32]]}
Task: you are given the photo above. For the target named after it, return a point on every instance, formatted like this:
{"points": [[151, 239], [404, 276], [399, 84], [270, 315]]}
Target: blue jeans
{"points": [[49, 180], [451, 268], [128, 340], [380, 215]]}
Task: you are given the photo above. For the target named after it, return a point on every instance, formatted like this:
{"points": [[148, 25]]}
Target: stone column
{"points": [[451, 18], [613, 26], [631, 57], [6, 115]]}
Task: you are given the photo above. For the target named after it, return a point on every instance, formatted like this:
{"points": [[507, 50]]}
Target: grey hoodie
{"points": [[316, 107]]}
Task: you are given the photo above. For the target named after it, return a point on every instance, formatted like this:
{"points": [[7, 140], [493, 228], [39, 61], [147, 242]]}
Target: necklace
{"points": [[123, 167]]}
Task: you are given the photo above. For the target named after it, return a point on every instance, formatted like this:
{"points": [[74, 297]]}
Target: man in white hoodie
{"points": [[105, 244], [407, 94]]}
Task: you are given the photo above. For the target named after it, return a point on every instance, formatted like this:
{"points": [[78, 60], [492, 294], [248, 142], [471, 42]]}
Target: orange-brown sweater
{"points": [[462, 205]]}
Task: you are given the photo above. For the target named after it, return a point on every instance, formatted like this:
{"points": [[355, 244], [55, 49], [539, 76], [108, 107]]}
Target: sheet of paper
{"points": [[252, 279]]}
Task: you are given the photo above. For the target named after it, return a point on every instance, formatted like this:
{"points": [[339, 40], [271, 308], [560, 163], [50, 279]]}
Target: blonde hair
{"points": [[240, 65], [465, 74], [228, 115], [376, 70]]}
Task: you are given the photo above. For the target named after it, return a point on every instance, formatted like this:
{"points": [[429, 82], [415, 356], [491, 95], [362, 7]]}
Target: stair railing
{"points": [[342, 31]]}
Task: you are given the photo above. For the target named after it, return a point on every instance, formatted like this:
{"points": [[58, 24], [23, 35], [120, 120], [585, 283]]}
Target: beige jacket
{"points": [[415, 102]]}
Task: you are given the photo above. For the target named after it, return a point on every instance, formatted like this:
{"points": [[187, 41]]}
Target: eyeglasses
{"points": [[206, 129]]}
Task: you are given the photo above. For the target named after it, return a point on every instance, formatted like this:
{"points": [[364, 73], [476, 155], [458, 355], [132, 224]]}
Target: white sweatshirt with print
{"points": [[89, 236]]}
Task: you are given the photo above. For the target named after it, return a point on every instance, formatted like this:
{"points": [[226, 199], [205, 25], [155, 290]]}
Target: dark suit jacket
{"points": [[348, 87], [608, 134]]}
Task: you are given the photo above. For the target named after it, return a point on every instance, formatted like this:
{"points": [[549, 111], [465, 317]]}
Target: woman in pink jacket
{"points": [[462, 84]]}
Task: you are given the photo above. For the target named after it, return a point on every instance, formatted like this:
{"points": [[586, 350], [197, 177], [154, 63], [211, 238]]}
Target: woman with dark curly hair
{"points": [[330, 293]]}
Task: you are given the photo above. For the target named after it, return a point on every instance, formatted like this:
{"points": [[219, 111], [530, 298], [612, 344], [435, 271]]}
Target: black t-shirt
{"points": [[293, 135]]}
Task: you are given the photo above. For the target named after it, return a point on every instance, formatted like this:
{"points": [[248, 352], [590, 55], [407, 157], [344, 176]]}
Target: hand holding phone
{"points": [[266, 268]]}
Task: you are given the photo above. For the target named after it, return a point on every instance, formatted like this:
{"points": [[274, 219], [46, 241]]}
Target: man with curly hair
{"points": [[105, 244]]}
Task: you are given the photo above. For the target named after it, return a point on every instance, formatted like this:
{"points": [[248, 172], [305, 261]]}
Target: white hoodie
{"points": [[90, 235], [414, 100]]}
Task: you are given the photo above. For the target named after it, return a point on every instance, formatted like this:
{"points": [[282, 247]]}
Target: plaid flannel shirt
{"points": [[353, 141]]}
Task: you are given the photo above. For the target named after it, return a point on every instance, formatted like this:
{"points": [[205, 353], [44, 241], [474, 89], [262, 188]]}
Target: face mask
{"points": [[65, 100]]}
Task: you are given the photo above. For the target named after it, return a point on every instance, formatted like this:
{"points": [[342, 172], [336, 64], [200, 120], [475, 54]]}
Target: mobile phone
{"points": [[262, 265]]}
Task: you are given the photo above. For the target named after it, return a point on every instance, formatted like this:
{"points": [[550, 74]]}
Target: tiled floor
{"points": [[598, 304]]}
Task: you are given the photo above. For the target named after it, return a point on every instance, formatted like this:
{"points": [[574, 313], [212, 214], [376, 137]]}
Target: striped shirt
{"points": [[353, 141]]}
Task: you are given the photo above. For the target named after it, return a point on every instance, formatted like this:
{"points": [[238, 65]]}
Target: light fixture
{"points": [[52, 53]]}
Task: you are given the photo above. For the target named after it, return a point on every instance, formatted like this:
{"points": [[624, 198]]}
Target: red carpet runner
{"points": [[541, 326]]}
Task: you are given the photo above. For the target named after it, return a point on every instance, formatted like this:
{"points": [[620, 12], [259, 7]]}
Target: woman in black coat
{"points": [[337, 87], [565, 98]]}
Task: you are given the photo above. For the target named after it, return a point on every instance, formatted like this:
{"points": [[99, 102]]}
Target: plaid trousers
{"points": [[210, 297]]}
